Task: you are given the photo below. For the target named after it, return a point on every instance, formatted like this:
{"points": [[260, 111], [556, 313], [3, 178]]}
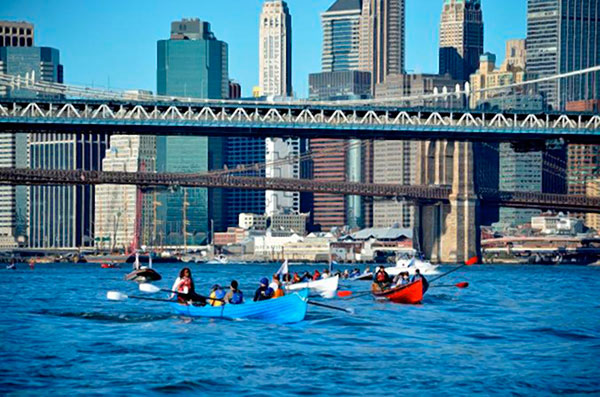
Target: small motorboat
{"points": [[218, 260], [110, 266], [142, 274], [325, 287], [411, 266], [285, 310], [410, 293], [12, 266]]}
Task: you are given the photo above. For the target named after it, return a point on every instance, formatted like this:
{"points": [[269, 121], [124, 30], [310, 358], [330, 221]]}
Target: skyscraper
{"points": [[341, 36], [275, 76], [16, 34], [50, 216], [123, 212], [382, 43], [192, 63], [461, 38], [564, 36], [63, 216], [275, 49]]}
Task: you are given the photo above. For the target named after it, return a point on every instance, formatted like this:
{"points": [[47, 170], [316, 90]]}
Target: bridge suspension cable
{"points": [[29, 82]]}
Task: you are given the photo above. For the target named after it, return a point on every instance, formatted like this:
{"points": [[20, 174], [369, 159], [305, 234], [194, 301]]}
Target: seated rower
{"points": [[317, 275], [185, 290], [346, 274], [216, 292], [263, 292], [325, 274], [234, 296], [403, 279], [382, 278], [277, 287], [296, 278]]}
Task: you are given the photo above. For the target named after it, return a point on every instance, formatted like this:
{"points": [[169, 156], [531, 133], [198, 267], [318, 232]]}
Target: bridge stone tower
{"points": [[448, 233]]}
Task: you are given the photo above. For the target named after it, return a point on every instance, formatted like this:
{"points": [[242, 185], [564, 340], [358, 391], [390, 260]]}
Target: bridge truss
{"points": [[146, 180]]}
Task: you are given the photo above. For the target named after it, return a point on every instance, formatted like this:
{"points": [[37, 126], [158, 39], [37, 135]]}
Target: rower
{"points": [[416, 276], [317, 275], [216, 292], [263, 292], [382, 278], [276, 287], [296, 278], [185, 290], [234, 296]]}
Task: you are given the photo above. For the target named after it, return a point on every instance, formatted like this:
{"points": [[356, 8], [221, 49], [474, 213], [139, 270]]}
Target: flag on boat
{"points": [[283, 269]]}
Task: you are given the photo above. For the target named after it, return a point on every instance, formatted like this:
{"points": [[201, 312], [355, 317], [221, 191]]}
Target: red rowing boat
{"points": [[411, 293], [109, 266]]}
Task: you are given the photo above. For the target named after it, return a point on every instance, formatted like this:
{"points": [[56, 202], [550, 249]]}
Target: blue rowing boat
{"points": [[285, 310]]}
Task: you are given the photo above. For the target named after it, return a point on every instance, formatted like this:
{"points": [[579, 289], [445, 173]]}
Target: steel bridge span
{"points": [[265, 119], [26, 176]]}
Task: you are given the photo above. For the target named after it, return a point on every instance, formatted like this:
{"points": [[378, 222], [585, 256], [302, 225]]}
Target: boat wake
{"points": [[107, 317]]}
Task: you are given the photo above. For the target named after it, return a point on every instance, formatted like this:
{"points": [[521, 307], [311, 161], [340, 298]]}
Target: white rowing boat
{"points": [[325, 287]]}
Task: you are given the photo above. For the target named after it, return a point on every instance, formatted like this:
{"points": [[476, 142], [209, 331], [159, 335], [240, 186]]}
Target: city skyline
{"points": [[89, 55]]}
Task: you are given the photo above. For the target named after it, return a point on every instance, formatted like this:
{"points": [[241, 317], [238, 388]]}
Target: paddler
{"points": [[234, 296], [382, 278], [317, 275], [296, 278], [216, 292], [263, 292], [185, 290], [277, 287]]}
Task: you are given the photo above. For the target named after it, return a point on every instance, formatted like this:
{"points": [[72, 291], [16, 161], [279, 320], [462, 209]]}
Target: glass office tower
{"points": [[192, 63]]}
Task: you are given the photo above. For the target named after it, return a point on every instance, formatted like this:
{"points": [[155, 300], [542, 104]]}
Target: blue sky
{"points": [[114, 42]]}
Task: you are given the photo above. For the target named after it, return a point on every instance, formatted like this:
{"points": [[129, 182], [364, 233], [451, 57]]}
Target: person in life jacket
{"points": [[382, 278], [317, 275], [296, 278], [216, 292], [234, 296], [185, 290], [277, 287], [264, 292]]}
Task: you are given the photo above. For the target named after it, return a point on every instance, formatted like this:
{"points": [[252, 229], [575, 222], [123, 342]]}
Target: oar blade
{"points": [[462, 285], [344, 294], [149, 288], [115, 296], [472, 261]]}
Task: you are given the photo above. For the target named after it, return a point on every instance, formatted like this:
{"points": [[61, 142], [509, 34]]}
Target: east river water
{"points": [[515, 330]]}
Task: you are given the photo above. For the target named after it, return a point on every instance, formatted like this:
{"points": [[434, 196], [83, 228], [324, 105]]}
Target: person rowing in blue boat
{"points": [[185, 290], [264, 292], [234, 296], [217, 294]]}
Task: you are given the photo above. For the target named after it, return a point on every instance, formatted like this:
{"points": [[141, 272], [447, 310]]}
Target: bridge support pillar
{"points": [[448, 232]]}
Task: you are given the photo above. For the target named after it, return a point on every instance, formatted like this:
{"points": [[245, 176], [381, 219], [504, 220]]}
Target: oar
{"points": [[464, 284], [470, 262], [119, 297], [350, 311], [152, 289], [358, 294]]}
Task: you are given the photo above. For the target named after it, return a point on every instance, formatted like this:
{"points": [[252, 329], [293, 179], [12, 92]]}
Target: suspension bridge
{"points": [[445, 192]]}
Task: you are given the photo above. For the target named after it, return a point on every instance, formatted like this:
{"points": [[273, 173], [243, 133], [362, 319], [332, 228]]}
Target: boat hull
{"points": [[325, 287], [143, 276], [408, 294], [285, 310]]}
